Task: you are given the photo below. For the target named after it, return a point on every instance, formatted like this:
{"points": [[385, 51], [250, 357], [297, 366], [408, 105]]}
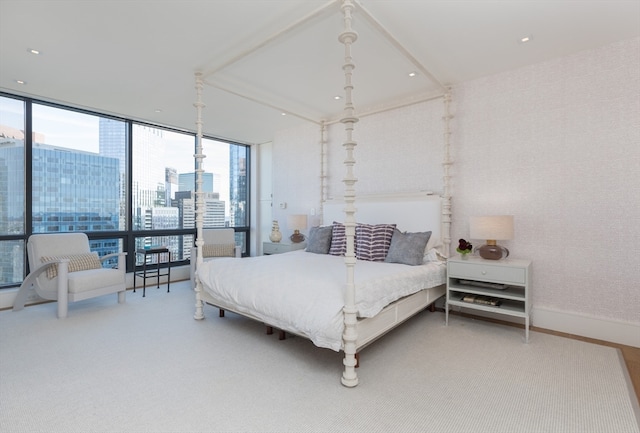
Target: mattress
{"points": [[303, 292]]}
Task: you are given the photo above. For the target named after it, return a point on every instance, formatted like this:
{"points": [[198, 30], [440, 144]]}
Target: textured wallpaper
{"points": [[556, 144]]}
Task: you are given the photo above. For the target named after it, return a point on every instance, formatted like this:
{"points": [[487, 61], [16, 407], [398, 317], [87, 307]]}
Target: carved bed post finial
{"points": [[199, 313], [350, 336], [446, 164]]}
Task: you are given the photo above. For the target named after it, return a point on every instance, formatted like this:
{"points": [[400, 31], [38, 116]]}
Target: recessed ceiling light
{"points": [[337, 97], [525, 39], [32, 51], [413, 74], [21, 82], [158, 110], [284, 114]]}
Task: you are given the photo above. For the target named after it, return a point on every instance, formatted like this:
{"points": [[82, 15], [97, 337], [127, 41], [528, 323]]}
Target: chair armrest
{"points": [[31, 281]]}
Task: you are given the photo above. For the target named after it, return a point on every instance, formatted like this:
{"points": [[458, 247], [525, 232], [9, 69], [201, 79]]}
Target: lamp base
{"points": [[297, 237], [492, 252]]}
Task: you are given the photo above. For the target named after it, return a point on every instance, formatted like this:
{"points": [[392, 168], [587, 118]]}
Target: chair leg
{"points": [[63, 293]]}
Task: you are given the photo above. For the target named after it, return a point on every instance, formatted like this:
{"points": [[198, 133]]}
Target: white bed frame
{"points": [[418, 212]]}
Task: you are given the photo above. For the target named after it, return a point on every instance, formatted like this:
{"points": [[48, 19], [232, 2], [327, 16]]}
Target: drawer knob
{"points": [[484, 272]]}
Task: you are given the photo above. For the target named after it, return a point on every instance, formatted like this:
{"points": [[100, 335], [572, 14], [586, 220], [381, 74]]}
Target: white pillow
{"points": [[433, 255]]}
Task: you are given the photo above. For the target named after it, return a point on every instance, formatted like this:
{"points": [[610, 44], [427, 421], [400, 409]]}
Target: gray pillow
{"points": [[319, 240], [407, 248]]}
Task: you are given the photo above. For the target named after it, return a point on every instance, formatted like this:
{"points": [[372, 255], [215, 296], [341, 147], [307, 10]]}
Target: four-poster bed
{"points": [[363, 307]]}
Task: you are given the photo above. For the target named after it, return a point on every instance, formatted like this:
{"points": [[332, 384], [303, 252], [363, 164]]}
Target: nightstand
{"points": [[496, 286], [281, 247]]}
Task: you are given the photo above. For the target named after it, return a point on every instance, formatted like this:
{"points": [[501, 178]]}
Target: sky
{"points": [[80, 131]]}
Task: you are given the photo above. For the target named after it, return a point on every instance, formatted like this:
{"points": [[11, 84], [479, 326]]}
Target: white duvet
{"points": [[303, 292]]}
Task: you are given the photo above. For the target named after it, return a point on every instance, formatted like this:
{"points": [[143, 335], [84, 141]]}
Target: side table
{"points": [[152, 271], [281, 247], [495, 286]]}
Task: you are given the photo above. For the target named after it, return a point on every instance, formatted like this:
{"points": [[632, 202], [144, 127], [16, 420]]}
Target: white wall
{"points": [[397, 151], [556, 144], [296, 174], [262, 192]]}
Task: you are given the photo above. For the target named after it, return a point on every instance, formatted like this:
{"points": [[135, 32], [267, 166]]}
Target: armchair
{"points": [[217, 243], [63, 268]]}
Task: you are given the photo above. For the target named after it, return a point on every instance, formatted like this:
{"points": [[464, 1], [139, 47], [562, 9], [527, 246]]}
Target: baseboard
{"points": [[587, 326], [572, 323]]}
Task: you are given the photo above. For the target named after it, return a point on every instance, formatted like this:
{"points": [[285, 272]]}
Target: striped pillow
{"points": [[219, 250], [373, 241], [77, 262], [338, 240]]}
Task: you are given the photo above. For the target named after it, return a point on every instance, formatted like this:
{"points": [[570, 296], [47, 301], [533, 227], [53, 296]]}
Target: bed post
{"points": [[447, 162], [323, 174], [199, 313], [347, 37]]}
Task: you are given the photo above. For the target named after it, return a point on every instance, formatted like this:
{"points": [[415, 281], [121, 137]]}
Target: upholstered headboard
{"points": [[410, 212]]}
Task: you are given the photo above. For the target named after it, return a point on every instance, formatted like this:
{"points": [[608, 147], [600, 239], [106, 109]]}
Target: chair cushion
{"points": [[218, 236], [84, 281], [219, 250], [77, 262]]}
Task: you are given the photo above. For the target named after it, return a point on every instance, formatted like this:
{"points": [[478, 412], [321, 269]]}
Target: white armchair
{"points": [[63, 268], [217, 243]]}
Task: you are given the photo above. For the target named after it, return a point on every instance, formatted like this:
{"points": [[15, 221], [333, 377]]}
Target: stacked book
{"points": [[480, 299]]}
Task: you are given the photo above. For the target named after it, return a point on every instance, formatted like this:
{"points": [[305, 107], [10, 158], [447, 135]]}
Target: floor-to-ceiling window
{"points": [[161, 200], [126, 184], [229, 183], [12, 187]]}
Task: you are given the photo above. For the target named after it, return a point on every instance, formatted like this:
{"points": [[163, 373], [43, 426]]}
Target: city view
{"points": [[80, 181]]}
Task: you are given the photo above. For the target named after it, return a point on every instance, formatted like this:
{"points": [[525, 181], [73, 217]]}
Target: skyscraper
{"points": [[73, 191], [238, 190]]}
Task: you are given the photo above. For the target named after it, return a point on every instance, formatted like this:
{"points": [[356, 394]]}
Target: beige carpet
{"points": [[148, 366]]}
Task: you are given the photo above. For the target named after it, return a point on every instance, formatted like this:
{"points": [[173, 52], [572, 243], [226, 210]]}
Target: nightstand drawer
{"points": [[279, 248], [477, 271], [274, 248]]}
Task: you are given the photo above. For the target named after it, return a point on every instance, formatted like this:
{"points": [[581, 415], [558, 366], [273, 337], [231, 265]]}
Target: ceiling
{"points": [[260, 59]]}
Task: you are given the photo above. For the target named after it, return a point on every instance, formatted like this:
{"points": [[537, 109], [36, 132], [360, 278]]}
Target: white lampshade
{"points": [[491, 228], [297, 222], [494, 227]]}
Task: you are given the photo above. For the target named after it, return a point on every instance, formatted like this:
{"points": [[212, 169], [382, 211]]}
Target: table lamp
{"points": [[491, 228], [297, 223]]}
